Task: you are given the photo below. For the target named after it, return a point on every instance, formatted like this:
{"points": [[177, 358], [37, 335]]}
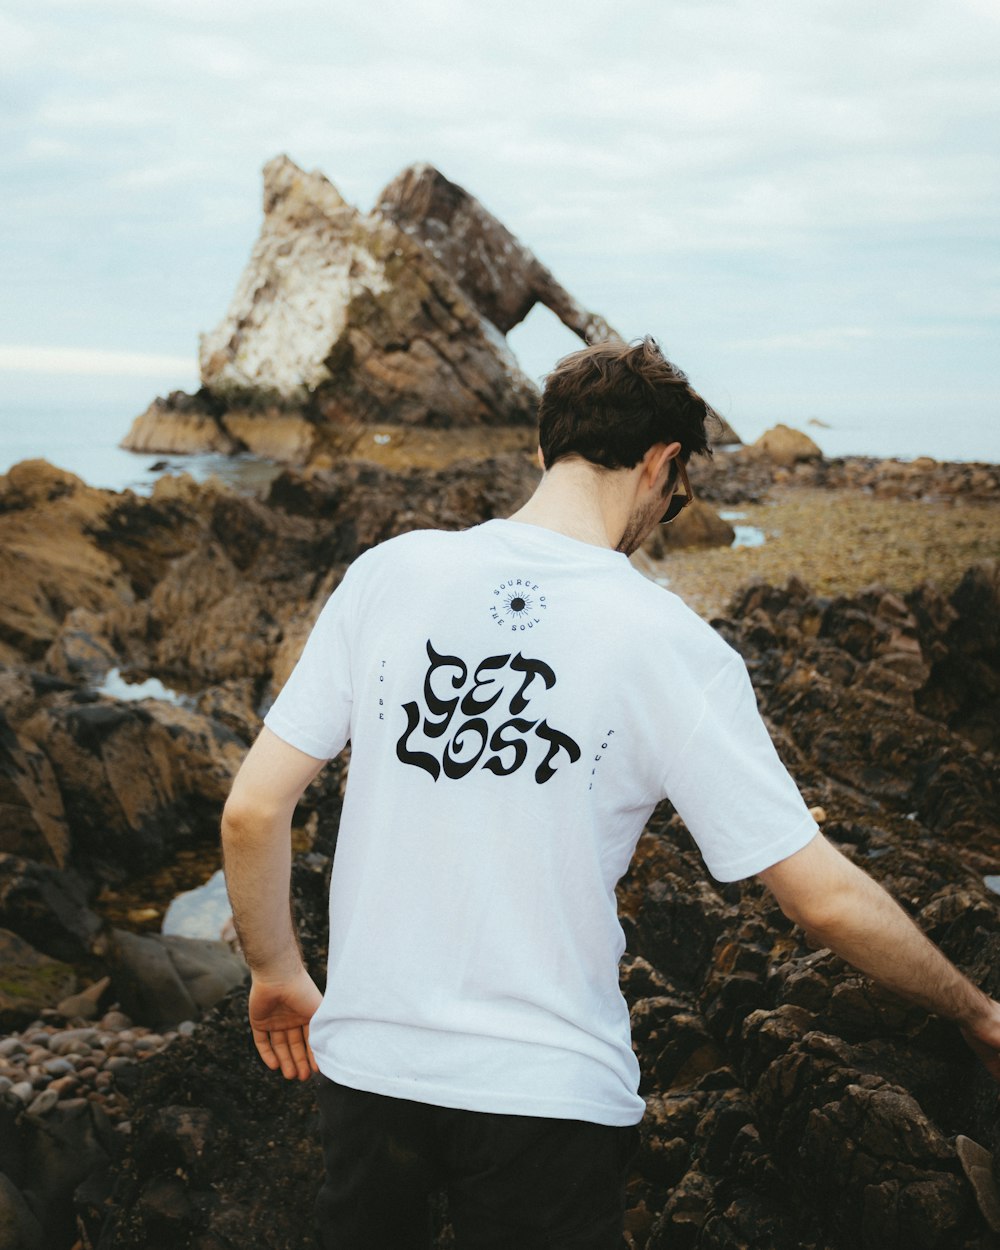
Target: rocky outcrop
{"points": [[790, 1101], [499, 275], [343, 320], [743, 475]]}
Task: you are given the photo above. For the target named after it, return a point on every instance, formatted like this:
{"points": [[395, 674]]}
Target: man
{"points": [[518, 699]]}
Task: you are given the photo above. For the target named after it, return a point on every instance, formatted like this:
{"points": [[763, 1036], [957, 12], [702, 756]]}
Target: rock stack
{"points": [[343, 321]]}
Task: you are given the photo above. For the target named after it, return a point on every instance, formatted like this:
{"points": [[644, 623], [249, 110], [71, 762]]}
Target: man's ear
{"points": [[657, 458], [541, 460]]}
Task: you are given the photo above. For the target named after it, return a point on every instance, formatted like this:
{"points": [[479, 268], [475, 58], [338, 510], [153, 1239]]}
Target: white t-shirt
{"points": [[517, 703]]}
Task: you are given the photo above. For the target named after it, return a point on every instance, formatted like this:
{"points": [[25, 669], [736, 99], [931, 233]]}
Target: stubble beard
{"points": [[640, 525]]}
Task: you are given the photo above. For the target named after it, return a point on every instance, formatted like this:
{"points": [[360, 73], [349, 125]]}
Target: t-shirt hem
{"points": [[766, 856], [479, 1100]]}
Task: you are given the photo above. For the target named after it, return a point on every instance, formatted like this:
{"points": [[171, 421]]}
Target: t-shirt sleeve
{"points": [[729, 786], [313, 709]]}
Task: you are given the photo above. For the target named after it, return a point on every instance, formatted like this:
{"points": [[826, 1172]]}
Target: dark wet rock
{"points": [[80, 650], [61, 1150], [177, 1188], [47, 907], [32, 815], [164, 979], [19, 1229], [29, 981], [790, 1100], [963, 686], [679, 925], [137, 779]]}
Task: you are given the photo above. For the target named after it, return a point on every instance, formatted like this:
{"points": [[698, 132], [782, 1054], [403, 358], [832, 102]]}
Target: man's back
{"points": [[517, 702]]}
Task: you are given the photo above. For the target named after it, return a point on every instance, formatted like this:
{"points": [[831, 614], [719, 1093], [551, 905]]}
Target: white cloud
{"points": [[86, 361]]}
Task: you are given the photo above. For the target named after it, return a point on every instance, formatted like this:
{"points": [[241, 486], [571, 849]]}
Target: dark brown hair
{"points": [[611, 402]]}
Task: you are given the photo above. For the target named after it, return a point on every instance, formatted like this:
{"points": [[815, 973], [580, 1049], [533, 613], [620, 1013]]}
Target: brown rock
{"points": [[81, 648], [48, 908], [49, 560], [34, 819], [699, 525], [350, 309], [135, 776], [786, 447], [179, 425], [501, 277], [86, 1005], [978, 1165]]}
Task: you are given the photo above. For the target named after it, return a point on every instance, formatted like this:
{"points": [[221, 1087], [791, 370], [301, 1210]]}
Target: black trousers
{"points": [[512, 1182]]}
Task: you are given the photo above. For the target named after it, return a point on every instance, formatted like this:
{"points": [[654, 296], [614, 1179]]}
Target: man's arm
{"points": [[842, 907], [256, 848]]}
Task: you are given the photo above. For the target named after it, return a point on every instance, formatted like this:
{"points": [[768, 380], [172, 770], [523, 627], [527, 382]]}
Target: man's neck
{"points": [[574, 500]]}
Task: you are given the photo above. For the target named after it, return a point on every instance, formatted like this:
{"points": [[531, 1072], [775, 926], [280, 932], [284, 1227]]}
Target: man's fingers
{"points": [[261, 1040], [288, 1050]]}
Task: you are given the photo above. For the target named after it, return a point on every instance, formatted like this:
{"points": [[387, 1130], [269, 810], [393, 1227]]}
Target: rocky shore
{"points": [[792, 1105]]}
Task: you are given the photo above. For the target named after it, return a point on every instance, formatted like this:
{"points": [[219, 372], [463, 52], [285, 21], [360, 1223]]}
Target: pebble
{"points": [[115, 1021], [58, 1067], [186, 1028], [43, 1103], [52, 1064], [74, 1040]]}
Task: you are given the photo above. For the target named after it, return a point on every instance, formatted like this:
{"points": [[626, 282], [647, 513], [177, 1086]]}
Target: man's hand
{"points": [[280, 1012], [983, 1035], [843, 908]]}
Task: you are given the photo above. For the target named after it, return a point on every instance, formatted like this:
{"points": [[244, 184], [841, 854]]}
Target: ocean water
{"points": [[77, 424], [81, 429]]}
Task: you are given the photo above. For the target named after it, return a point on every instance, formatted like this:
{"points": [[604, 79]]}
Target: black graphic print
{"points": [[483, 720], [518, 604]]}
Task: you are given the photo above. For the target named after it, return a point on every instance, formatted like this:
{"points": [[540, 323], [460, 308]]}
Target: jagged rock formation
{"points": [[500, 275], [343, 319], [791, 1103]]}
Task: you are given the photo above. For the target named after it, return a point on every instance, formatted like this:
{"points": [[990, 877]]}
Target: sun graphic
{"points": [[517, 605]]}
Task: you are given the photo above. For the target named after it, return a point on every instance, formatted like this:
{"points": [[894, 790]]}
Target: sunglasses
{"points": [[678, 502]]}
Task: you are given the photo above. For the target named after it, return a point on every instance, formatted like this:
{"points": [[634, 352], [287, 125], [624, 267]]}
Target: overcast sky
{"points": [[798, 197]]}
